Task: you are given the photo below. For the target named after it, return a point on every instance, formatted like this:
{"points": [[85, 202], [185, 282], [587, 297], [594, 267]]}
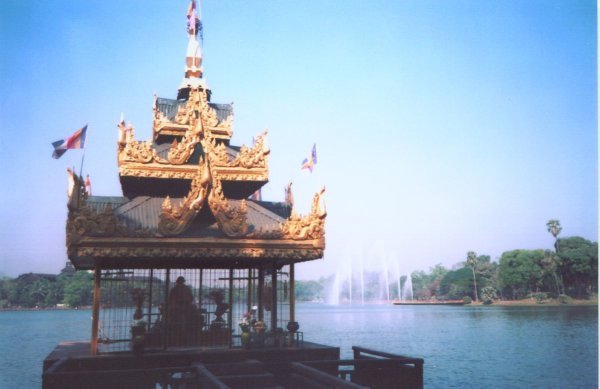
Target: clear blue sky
{"points": [[441, 126]]}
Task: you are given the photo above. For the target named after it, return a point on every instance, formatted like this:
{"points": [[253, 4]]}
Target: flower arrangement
{"points": [[247, 321]]}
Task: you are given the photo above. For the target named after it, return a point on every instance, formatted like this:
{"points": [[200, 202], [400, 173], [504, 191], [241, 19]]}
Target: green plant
{"points": [[467, 300], [488, 295], [564, 299], [540, 297]]}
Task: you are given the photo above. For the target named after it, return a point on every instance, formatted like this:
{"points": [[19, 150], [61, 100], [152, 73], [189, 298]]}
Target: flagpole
{"points": [[81, 173], [82, 157], [81, 168]]}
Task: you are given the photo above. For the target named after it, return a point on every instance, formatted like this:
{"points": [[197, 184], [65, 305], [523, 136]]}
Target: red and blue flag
{"points": [[75, 141]]}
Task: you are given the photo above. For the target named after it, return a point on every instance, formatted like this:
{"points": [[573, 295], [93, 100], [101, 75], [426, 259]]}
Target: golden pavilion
{"points": [[190, 266]]}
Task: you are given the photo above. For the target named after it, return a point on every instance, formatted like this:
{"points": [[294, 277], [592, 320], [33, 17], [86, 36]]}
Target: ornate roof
{"points": [[163, 232], [185, 195]]}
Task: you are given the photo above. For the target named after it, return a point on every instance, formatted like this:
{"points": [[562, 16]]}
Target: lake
{"points": [[463, 347]]}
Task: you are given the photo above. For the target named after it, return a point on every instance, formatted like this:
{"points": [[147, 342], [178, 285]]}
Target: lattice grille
{"points": [[186, 307]]}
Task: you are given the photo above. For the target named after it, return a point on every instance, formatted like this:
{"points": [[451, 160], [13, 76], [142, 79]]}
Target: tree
{"points": [[488, 295], [78, 291], [579, 266], [549, 266], [457, 284], [520, 271], [38, 291], [554, 228], [472, 263], [308, 290]]}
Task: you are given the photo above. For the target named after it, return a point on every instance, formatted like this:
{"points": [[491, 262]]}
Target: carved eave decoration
{"points": [[230, 219], [94, 235], [142, 152], [198, 123], [250, 164], [193, 252], [176, 219], [196, 106], [84, 222]]}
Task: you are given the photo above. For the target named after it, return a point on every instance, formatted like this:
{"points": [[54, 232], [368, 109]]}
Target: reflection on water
{"points": [[481, 347], [463, 347]]}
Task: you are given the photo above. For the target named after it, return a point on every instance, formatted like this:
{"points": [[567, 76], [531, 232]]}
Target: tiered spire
{"points": [[193, 57]]}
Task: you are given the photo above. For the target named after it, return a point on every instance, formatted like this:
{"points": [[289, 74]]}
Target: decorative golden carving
{"points": [[175, 220], [289, 196], [193, 116], [255, 157], [217, 152], [179, 153], [130, 150], [311, 226], [183, 115], [86, 221], [247, 158], [160, 119], [224, 129], [231, 220], [197, 252], [208, 115], [76, 192], [159, 171]]}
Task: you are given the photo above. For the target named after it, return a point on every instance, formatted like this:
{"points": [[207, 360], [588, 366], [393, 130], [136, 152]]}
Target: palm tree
{"points": [[554, 228], [472, 263]]}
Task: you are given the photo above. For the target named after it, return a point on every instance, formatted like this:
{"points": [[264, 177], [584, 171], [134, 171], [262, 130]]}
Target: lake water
{"points": [[463, 347]]}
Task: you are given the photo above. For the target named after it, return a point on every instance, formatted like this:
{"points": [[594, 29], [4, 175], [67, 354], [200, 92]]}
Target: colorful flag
{"points": [[194, 23], [75, 141], [310, 162]]}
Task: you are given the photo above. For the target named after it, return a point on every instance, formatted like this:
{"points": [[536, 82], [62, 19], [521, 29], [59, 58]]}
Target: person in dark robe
{"points": [[181, 310]]}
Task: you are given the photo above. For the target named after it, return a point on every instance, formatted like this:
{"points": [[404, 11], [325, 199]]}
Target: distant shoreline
{"points": [[17, 309], [551, 302], [530, 302], [500, 303]]}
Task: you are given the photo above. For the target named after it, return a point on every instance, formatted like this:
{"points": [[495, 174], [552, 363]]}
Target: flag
{"points": [[88, 185], [75, 141], [194, 23], [310, 162]]}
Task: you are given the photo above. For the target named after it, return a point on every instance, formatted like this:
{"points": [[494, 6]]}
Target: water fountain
{"points": [[407, 289], [373, 275]]}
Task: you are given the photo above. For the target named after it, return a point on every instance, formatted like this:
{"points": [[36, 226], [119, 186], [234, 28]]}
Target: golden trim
{"points": [[175, 220], [231, 220], [311, 226]]}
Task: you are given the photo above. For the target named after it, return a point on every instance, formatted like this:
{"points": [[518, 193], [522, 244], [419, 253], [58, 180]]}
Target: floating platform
{"points": [[308, 365]]}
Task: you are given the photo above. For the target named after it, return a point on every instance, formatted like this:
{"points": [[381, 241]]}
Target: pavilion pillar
{"points": [[95, 311], [230, 310], [249, 296], [292, 293], [261, 287], [165, 316], [273, 298]]}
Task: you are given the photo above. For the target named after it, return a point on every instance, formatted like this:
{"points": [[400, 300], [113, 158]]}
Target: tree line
{"points": [[569, 270], [44, 290]]}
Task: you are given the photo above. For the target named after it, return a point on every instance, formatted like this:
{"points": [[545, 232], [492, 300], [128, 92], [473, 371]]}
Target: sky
{"points": [[441, 127]]}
